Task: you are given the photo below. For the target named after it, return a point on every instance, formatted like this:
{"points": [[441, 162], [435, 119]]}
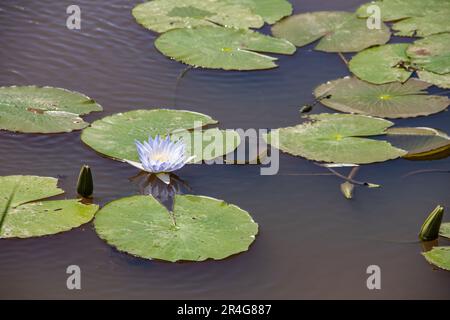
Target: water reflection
{"points": [[150, 184]]}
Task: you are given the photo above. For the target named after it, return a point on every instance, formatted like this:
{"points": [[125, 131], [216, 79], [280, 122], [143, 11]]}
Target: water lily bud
{"points": [[430, 228], [347, 189], [85, 185]]}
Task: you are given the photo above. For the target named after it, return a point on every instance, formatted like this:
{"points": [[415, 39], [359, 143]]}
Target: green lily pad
{"points": [[392, 100], [28, 218], [381, 64], [429, 56], [32, 109], [420, 142], [270, 10], [208, 144], [339, 31], [423, 26], [114, 135], [445, 230], [432, 53], [206, 228], [164, 15], [439, 256], [222, 48], [336, 138], [392, 10]]}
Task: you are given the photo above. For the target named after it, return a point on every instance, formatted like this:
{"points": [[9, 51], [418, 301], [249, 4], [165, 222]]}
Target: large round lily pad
{"points": [[392, 100], [439, 256], [201, 228], [444, 231], [208, 144], [392, 10], [32, 109], [164, 15], [24, 217], [114, 136], [381, 64], [423, 26], [222, 48], [420, 142], [336, 138], [339, 31], [270, 10], [432, 53]]}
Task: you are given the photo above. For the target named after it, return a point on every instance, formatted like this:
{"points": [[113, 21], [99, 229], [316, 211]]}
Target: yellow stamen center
{"points": [[161, 157]]}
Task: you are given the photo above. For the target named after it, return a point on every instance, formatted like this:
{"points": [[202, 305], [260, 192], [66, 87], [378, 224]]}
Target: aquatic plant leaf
{"points": [[337, 138], [114, 136], [439, 256], [429, 56], [439, 80], [222, 48], [32, 109], [164, 15], [420, 142], [423, 26], [392, 10], [432, 53], [381, 64], [444, 231], [270, 10], [391, 100], [206, 228], [208, 144], [339, 31], [28, 218]]}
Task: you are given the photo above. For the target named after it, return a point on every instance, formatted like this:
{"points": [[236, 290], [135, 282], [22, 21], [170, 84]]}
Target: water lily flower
{"points": [[161, 156]]}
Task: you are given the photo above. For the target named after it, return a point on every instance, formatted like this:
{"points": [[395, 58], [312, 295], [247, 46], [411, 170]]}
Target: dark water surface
{"points": [[312, 242]]}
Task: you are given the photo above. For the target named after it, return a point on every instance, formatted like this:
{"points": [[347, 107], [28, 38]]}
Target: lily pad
{"points": [[164, 15], [339, 31], [392, 10], [423, 26], [28, 217], [270, 10], [336, 138], [114, 136], [432, 53], [429, 56], [208, 144], [445, 230], [381, 64], [420, 142], [392, 100], [222, 48], [199, 228], [32, 109], [439, 256]]}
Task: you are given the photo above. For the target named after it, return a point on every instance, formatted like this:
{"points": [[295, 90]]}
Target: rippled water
{"points": [[312, 242]]}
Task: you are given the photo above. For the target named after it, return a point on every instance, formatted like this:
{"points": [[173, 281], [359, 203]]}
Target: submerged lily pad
{"points": [[32, 109], [114, 136], [208, 144], [222, 48], [199, 228], [445, 230], [165, 15], [28, 217], [392, 10], [430, 57], [339, 31], [270, 10], [420, 142], [392, 100], [337, 138], [439, 256]]}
